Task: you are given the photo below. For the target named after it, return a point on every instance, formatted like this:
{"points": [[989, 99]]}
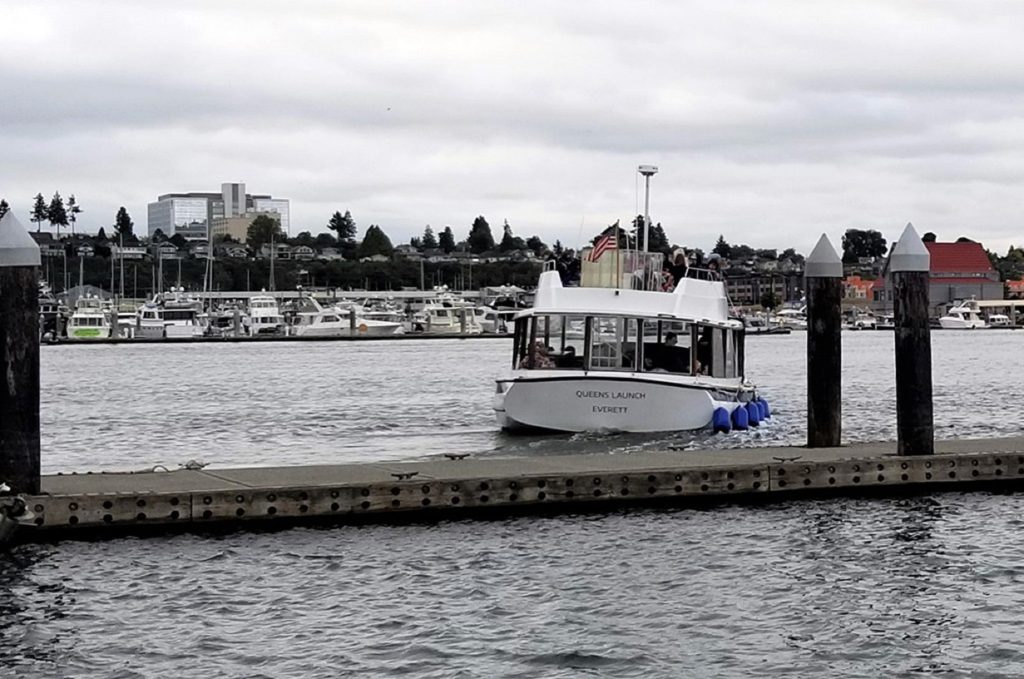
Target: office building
{"points": [[193, 214]]}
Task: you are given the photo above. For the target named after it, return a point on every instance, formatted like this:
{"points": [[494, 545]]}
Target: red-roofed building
{"points": [[855, 287], [1015, 288], [958, 271]]}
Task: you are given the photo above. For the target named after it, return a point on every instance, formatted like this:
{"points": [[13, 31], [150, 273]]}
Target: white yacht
{"points": [[794, 319], [444, 314], [647, 361], [311, 319], [181, 315], [90, 320], [999, 321], [265, 316], [150, 323], [964, 315]]}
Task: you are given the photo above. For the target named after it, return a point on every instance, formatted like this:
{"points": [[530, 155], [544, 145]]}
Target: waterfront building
{"points": [[857, 289], [745, 288], [959, 271]]}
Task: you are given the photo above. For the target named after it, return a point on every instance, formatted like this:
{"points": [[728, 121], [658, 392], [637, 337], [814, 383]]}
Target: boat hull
{"points": [[629, 404], [952, 323]]}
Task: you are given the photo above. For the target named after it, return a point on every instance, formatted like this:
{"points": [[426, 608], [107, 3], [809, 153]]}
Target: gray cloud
{"points": [[772, 122]]}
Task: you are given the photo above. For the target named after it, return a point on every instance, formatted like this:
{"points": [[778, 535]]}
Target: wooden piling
{"points": [[824, 282], [19, 357], [910, 264], [352, 321]]}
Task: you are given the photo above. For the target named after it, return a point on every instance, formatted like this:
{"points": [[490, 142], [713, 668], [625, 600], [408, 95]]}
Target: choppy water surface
{"points": [[828, 588]]}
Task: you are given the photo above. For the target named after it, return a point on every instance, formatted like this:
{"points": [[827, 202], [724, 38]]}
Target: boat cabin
{"points": [[609, 343]]}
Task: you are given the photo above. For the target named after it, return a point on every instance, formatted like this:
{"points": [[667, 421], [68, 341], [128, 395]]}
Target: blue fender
{"points": [[767, 409], [753, 414], [740, 419], [720, 421]]}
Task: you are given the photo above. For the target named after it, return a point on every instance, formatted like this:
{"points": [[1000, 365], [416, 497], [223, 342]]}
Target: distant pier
{"points": [[110, 504]]}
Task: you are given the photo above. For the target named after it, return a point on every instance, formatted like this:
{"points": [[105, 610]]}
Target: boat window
{"points": [[612, 343], [666, 346], [704, 354]]}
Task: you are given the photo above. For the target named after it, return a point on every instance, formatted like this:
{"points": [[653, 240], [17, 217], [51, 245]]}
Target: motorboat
{"points": [[494, 321], [150, 321], [181, 315], [228, 321], [963, 315], [998, 321], [794, 319], [446, 314], [648, 360], [90, 319], [311, 319], [885, 322], [862, 320], [265, 316], [49, 312]]}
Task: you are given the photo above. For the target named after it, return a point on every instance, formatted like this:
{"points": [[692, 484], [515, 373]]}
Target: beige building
{"points": [[236, 227]]}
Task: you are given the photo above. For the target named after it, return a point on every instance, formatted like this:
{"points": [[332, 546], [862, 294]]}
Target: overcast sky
{"points": [[771, 122]]}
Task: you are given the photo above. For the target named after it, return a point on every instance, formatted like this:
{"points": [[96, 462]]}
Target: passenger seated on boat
{"points": [[539, 355], [568, 359], [666, 356]]}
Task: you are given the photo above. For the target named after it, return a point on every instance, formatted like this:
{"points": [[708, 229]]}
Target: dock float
{"points": [[93, 505]]}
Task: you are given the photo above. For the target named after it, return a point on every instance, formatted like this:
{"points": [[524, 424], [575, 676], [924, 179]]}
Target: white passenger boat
{"points": [[90, 320], [647, 361], [265, 316], [964, 315]]}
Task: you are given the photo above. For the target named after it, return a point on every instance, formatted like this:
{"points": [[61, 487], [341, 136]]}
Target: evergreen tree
{"points": [[375, 242], [74, 209], [343, 226], [447, 240], [158, 236], [510, 242], [56, 214], [659, 242], [558, 248], [722, 248], [429, 240], [4, 208], [123, 224], [101, 235], [480, 238], [416, 242], [39, 214]]}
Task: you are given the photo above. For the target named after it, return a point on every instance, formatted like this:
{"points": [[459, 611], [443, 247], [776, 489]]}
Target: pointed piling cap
{"points": [[823, 262], [16, 246], [910, 254]]}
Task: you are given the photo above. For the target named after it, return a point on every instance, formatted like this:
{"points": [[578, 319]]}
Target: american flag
{"points": [[603, 243]]}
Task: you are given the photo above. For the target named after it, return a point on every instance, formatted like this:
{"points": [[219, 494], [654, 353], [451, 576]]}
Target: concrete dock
{"points": [[92, 504]]}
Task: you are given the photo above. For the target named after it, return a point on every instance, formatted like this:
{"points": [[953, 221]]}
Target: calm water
{"points": [[828, 588]]}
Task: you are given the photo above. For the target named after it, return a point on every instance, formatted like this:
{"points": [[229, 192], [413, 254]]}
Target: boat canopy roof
{"points": [[694, 300]]}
